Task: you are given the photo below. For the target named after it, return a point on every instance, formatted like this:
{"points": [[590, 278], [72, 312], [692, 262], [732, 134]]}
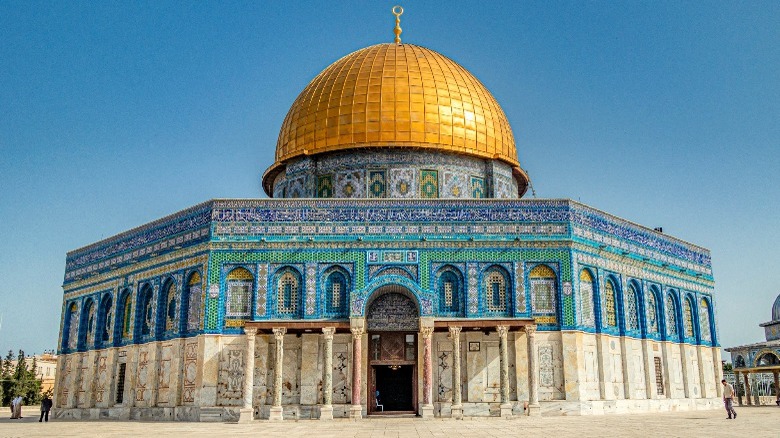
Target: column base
{"points": [[276, 414], [534, 410], [426, 412], [246, 415], [356, 412], [326, 412], [457, 412], [506, 410]]}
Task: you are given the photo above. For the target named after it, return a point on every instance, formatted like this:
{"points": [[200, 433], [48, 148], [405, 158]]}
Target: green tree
{"points": [[6, 379]]}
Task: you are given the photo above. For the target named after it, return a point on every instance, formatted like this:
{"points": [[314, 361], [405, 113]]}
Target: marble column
{"points": [[326, 410], [747, 389], [247, 414], [457, 397], [533, 372], [276, 408], [427, 407], [356, 410], [736, 387], [506, 406]]}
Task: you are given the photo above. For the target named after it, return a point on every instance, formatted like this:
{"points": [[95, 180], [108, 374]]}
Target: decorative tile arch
{"points": [[496, 292], [123, 323], [192, 300], [588, 304], [689, 326], [239, 287], [652, 313], [144, 313], [70, 329], [167, 319], [105, 312], [705, 321], [671, 315], [449, 286], [631, 306], [610, 303], [289, 290], [335, 288], [87, 325]]}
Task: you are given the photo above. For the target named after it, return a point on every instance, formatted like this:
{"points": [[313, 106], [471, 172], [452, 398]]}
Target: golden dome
{"points": [[400, 96]]}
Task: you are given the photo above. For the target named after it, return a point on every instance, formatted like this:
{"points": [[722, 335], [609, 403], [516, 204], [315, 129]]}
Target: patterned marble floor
{"points": [[754, 422]]}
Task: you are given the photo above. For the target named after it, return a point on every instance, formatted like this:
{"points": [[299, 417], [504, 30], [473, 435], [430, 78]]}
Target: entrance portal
{"points": [[393, 321]]}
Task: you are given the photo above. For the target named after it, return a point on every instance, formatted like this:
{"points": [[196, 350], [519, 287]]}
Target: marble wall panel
{"points": [[190, 372], [341, 376], [291, 366], [443, 377]]}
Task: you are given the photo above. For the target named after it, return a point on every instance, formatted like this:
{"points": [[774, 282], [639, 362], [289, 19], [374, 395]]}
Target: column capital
{"points": [[454, 332], [530, 329], [426, 332], [502, 330], [357, 332], [328, 332], [250, 331], [279, 333]]}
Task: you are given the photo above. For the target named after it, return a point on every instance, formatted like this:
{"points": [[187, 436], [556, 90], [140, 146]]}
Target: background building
{"points": [[396, 269]]}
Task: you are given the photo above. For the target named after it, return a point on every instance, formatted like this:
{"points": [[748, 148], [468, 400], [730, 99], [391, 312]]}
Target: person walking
{"points": [[45, 408], [13, 408], [728, 399], [19, 402]]}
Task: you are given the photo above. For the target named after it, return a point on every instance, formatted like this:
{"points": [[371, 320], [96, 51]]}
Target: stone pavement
{"points": [[754, 422]]}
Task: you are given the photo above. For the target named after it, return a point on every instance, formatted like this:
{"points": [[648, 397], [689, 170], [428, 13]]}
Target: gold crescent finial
{"points": [[397, 11]]}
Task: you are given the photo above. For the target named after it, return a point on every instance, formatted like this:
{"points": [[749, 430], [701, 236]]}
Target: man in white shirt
{"points": [[728, 399]]}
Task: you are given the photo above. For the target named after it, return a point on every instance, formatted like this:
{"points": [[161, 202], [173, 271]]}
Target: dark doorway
{"points": [[395, 387]]}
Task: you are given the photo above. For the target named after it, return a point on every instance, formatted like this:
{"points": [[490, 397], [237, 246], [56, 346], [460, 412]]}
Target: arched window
{"points": [[448, 286], [651, 307], [144, 314], [336, 293], [125, 323], [739, 362], [88, 324], [288, 291], [239, 293], [586, 298], [71, 327], [609, 304], [688, 318], [166, 310], [542, 289], [104, 320], [495, 284], [704, 320], [194, 295], [671, 316], [632, 309]]}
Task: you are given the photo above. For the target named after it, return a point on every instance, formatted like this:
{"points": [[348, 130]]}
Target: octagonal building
{"points": [[394, 269]]}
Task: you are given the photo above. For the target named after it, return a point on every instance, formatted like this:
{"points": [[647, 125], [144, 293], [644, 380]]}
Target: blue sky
{"points": [[113, 114]]}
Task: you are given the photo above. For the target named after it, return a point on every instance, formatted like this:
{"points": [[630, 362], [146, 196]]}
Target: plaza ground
{"points": [[752, 421]]}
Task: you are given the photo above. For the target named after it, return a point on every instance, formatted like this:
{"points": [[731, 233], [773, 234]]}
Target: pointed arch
{"points": [[449, 290], [705, 321], [124, 319], [335, 293], [672, 332], [104, 320], [239, 290], [191, 304], [610, 303], [587, 298], [495, 290], [652, 319], [288, 285], [167, 320], [544, 285], [87, 325], [688, 318], [70, 328], [631, 300], [144, 313]]}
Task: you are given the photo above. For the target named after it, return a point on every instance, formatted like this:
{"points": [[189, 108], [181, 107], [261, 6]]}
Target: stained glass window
{"points": [[542, 289], [586, 298], [287, 293], [652, 312], [239, 293], [495, 288], [632, 318], [704, 320], [688, 318], [609, 304], [671, 316]]}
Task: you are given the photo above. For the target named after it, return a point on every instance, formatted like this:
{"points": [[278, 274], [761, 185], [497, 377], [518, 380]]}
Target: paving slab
{"points": [[754, 422]]}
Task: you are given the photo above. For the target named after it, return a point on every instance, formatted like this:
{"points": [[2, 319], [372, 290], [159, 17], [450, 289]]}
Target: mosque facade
{"points": [[394, 268], [752, 360]]}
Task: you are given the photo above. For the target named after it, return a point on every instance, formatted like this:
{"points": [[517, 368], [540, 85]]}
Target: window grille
{"points": [[609, 304], [652, 312], [688, 318], [496, 290], [659, 376], [287, 294], [586, 298], [671, 316], [120, 383], [704, 320], [632, 319], [239, 298]]}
